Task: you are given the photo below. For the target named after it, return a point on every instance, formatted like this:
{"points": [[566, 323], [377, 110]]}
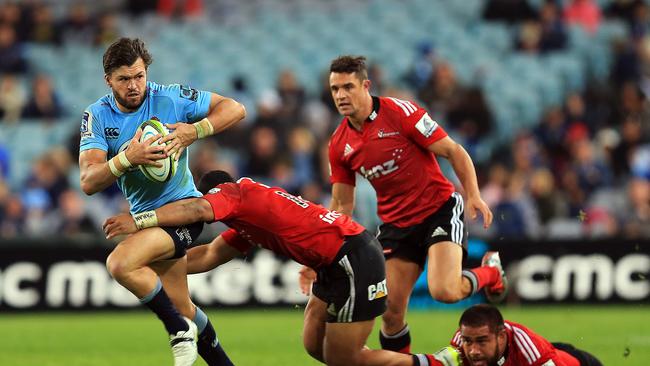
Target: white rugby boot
{"points": [[184, 345]]}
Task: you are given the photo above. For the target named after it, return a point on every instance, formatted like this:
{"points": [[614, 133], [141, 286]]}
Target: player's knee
{"points": [[116, 267], [445, 293], [313, 348], [347, 358]]}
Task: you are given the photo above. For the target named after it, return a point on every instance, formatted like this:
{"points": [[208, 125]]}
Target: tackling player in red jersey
{"points": [[394, 144], [485, 339], [351, 287]]}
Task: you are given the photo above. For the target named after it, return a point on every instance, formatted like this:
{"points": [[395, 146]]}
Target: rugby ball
{"points": [[169, 164]]}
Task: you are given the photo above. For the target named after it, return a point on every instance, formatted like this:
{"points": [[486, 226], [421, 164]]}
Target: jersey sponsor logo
{"points": [[214, 190], [377, 291], [330, 216], [189, 93], [297, 200], [379, 170], [347, 150], [381, 134], [111, 132], [86, 124], [439, 232], [426, 125]]}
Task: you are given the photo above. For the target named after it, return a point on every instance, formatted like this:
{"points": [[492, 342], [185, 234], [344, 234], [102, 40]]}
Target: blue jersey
{"points": [[105, 127]]}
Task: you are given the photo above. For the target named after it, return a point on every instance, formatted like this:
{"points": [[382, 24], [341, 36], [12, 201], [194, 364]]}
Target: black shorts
{"points": [[585, 358], [354, 285], [412, 243], [183, 236]]}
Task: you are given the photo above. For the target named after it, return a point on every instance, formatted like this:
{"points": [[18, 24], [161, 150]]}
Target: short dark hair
{"points": [[480, 315], [124, 52], [212, 179], [350, 64]]}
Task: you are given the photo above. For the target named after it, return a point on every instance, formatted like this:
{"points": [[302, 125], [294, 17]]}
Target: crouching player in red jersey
{"points": [[485, 339], [350, 291]]}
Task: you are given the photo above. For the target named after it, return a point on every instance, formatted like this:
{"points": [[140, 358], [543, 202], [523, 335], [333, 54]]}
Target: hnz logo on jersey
{"points": [[379, 170]]}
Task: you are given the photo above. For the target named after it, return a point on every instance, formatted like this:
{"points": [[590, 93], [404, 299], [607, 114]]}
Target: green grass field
{"points": [[272, 337]]}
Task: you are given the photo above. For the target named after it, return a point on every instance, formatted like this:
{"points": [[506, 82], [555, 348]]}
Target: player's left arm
{"points": [[222, 113], [179, 213], [464, 169]]}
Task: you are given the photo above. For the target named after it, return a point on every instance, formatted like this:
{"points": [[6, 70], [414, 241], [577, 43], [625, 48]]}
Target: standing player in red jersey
{"points": [[351, 288], [485, 339], [394, 143]]}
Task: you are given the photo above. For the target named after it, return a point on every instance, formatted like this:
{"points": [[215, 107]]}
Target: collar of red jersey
{"points": [[375, 109]]}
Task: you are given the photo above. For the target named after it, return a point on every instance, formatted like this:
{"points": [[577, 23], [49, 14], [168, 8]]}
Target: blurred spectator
{"points": [[12, 14], [635, 221], [43, 101], [43, 28], [264, 152], [584, 13], [463, 109], [548, 201], [106, 31], [640, 20], [630, 137], [623, 9], [140, 7], [46, 182], [292, 99], [529, 37], [378, 76], [78, 26], [11, 213], [71, 219], [12, 53], [553, 32], [510, 11], [423, 66], [590, 168], [5, 159], [180, 8], [494, 190], [12, 98], [516, 215], [302, 146], [550, 134]]}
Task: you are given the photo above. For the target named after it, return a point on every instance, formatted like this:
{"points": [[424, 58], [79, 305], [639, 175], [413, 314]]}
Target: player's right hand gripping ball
{"points": [[157, 174], [449, 356]]}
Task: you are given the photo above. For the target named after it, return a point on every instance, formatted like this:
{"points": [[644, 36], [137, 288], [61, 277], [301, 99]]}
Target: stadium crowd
{"points": [[582, 171]]}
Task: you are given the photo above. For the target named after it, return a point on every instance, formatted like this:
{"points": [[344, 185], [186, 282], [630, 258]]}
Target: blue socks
{"points": [[158, 301]]}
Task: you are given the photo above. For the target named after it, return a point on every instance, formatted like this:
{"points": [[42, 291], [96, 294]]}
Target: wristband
{"points": [[203, 128], [116, 172], [126, 164], [145, 219]]}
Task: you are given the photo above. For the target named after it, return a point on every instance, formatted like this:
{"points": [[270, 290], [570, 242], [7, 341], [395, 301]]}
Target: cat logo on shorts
{"points": [[377, 291]]}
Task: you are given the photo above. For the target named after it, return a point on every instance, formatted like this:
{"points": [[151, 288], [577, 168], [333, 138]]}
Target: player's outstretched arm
{"points": [[464, 169], [206, 257], [222, 114], [179, 213]]}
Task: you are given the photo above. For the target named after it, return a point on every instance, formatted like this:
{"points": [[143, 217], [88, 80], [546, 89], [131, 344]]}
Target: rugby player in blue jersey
{"points": [[152, 263]]}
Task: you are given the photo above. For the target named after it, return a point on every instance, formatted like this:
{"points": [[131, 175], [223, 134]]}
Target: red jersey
{"points": [[391, 152], [271, 218], [526, 348]]}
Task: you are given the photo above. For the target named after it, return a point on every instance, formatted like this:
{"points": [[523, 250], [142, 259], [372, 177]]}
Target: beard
{"points": [[129, 104]]}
